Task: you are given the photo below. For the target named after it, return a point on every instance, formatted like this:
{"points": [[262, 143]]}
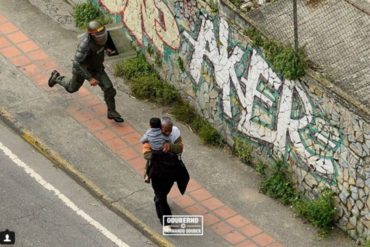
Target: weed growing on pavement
{"points": [[152, 88], [133, 68], [283, 58], [261, 167], [367, 244], [320, 212], [277, 183], [184, 113], [243, 149], [187, 114], [85, 12], [209, 135]]}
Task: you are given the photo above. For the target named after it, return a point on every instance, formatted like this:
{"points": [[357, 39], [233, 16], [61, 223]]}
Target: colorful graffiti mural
{"points": [[147, 19], [272, 109], [233, 86], [266, 100]]}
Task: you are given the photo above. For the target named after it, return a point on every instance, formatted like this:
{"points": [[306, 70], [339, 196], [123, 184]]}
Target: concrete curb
{"points": [[88, 184]]}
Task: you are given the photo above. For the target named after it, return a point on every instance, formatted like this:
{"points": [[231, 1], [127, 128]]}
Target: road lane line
{"points": [[62, 197]]}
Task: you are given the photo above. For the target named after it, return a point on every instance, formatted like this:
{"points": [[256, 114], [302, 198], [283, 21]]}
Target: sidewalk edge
{"points": [[88, 184]]}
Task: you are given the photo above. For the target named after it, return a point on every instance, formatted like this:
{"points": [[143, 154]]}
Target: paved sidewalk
{"points": [[75, 126]]}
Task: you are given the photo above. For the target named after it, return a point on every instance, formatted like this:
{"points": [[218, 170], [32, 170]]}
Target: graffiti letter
{"points": [[154, 19], [206, 45], [258, 68], [114, 6]]}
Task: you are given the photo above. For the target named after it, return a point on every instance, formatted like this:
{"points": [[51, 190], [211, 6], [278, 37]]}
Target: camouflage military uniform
{"points": [[88, 64]]}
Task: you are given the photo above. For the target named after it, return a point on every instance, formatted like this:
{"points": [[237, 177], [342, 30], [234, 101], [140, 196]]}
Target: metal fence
{"points": [[335, 34]]}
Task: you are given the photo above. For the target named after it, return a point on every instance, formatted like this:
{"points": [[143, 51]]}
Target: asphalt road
{"points": [[45, 207]]}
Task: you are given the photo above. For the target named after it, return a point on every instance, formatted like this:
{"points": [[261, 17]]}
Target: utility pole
{"points": [[295, 23]]}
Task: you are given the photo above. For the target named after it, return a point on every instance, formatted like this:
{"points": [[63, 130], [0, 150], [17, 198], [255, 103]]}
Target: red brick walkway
{"points": [[123, 140]]}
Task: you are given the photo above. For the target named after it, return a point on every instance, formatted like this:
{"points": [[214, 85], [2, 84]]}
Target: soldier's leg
{"points": [[71, 85], [109, 93]]}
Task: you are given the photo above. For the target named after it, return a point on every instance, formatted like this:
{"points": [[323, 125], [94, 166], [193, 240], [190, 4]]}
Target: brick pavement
{"points": [[87, 109]]}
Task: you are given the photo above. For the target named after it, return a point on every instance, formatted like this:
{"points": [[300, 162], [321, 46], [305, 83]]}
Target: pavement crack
{"points": [[127, 196], [115, 201], [31, 215]]}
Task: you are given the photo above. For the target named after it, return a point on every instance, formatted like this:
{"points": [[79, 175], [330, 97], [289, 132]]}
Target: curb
{"points": [[81, 179]]}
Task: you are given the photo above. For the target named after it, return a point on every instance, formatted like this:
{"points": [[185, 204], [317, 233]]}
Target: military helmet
{"points": [[98, 32], [95, 27]]}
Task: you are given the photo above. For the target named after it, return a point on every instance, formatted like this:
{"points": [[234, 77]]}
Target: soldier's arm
{"points": [[81, 53]]}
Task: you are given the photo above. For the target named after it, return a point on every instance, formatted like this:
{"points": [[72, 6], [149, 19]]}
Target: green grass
{"points": [[85, 12], [152, 88], [320, 212], [187, 114], [261, 167], [283, 58], [145, 83], [184, 113], [277, 183], [133, 68], [367, 244], [209, 135], [243, 149]]}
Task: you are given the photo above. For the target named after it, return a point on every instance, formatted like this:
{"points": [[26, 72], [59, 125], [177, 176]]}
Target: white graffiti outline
{"points": [[147, 18], [205, 45]]}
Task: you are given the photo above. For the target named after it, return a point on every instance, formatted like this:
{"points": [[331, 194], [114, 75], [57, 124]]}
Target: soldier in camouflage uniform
{"points": [[88, 65]]}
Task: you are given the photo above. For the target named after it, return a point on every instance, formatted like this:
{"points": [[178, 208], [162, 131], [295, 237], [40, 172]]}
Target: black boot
{"points": [[115, 116], [111, 105], [54, 75]]}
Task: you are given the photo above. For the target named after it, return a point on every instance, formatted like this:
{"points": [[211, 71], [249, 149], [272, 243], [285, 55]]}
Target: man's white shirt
{"points": [[175, 134]]}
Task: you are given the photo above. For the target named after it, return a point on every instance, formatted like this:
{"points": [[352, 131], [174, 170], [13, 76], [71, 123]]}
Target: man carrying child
{"points": [[161, 159]]}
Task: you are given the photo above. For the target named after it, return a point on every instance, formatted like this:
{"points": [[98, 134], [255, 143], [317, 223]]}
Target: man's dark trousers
{"points": [[73, 85], [161, 187]]}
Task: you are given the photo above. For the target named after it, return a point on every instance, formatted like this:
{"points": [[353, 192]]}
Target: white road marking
{"points": [[62, 197]]}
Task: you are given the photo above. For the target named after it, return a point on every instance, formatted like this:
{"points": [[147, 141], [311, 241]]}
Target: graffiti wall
{"points": [[234, 87]]}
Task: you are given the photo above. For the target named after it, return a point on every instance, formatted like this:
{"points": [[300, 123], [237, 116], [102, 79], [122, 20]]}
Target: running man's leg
{"points": [[71, 85], [109, 93]]}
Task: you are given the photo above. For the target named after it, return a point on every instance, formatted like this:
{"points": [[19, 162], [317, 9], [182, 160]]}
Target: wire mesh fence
{"points": [[335, 34]]}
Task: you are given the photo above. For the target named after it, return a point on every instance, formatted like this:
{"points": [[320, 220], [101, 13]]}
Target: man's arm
{"points": [[176, 147], [81, 53]]}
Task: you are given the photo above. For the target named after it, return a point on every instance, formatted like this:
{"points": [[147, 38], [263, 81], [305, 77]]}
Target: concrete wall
{"points": [[326, 143]]}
